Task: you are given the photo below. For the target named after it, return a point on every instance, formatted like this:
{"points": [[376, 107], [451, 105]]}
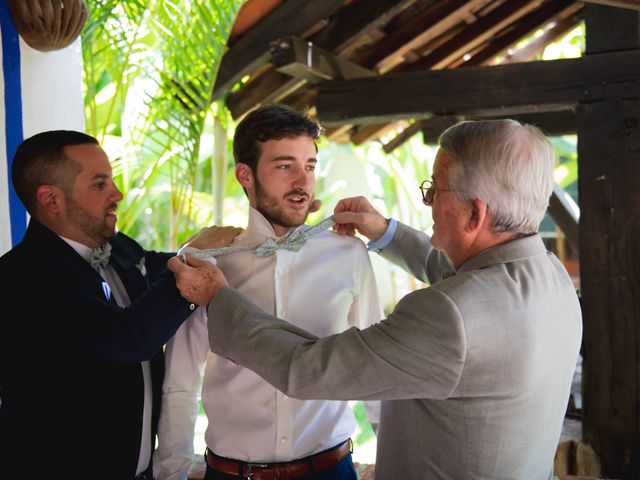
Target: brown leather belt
{"points": [[283, 470]]}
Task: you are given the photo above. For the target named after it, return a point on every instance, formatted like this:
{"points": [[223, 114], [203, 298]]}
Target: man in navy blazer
{"points": [[81, 361]]}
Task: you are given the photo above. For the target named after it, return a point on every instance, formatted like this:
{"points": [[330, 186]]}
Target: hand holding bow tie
{"points": [[198, 280]]}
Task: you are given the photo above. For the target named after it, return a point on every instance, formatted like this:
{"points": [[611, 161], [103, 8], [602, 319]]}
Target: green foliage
{"points": [[149, 70], [364, 432], [112, 43]]}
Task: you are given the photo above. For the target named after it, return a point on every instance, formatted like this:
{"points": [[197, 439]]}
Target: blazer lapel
{"points": [[132, 274]]}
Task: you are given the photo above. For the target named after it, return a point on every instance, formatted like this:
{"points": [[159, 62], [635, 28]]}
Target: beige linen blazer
{"points": [[474, 371]]}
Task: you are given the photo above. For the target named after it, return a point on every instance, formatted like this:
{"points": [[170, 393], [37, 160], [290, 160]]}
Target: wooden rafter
{"points": [[345, 28], [419, 31], [631, 4], [528, 24], [560, 10], [472, 36], [497, 90], [254, 92], [562, 122], [539, 44], [402, 137], [355, 21], [371, 132], [294, 17]]}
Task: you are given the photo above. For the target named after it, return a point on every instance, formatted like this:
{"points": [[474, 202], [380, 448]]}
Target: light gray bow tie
{"points": [[100, 256], [292, 242]]}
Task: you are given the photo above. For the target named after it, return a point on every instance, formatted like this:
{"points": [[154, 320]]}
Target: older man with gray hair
{"points": [[475, 370]]}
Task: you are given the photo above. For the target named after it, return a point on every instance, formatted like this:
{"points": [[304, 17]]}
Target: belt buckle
{"points": [[251, 466]]}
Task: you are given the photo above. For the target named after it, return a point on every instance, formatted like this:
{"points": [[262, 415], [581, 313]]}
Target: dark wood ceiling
{"points": [[283, 50]]}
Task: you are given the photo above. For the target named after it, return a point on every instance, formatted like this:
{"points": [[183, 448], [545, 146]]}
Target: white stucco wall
{"points": [[40, 91]]}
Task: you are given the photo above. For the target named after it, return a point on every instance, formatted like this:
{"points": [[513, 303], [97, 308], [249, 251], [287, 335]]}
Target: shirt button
{"points": [[284, 397], [281, 271], [192, 306], [281, 313], [283, 439]]}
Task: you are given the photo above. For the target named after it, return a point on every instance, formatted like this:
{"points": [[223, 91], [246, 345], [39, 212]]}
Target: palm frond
{"points": [[150, 68]]}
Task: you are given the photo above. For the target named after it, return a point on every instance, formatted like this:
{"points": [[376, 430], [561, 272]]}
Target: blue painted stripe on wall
{"points": [[13, 114]]}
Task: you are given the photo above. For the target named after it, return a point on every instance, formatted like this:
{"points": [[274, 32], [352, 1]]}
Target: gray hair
{"points": [[507, 165]]}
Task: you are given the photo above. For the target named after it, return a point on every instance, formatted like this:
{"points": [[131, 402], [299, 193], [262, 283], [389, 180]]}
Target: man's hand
{"points": [[356, 213], [198, 280], [213, 237]]}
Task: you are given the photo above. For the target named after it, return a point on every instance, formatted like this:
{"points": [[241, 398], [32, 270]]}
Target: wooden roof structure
{"points": [[286, 51], [367, 67]]}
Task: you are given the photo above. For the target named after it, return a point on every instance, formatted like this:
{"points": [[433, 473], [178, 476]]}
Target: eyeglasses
{"points": [[429, 191]]}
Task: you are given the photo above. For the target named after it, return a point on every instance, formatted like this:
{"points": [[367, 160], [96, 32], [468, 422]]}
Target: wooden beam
{"points": [[472, 36], [565, 213], [302, 59], [608, 179], [283, 91], [252, 93], [417, 32], [631, 4], [433, 127], [339, 134], [371, 132], [355, 20], [453, 12], [553, 124], [345, 28], [304, 100], [530, 50], [293, 63], [528, 25], [497, 90], [402, 137], [270, 87], [618, 31], [294, 17]]}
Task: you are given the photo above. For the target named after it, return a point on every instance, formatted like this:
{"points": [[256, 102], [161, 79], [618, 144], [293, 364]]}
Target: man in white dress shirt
{"points": [[254, 428]]}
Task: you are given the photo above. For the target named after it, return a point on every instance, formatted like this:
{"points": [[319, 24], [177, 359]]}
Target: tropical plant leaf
{"points": [[149, 70]]}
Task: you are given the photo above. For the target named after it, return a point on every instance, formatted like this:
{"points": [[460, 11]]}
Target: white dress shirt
{"points": [[117, 288], [327, 287]]}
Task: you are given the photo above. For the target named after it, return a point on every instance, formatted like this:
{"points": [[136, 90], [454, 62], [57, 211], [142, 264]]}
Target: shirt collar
{"points": [[260, 228], [81, 249]]}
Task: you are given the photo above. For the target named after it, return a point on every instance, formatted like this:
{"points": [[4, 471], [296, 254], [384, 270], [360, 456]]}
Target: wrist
{"points": [[383, 227]]}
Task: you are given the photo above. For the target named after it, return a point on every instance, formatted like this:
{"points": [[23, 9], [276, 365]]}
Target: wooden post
{"points": [[609, 192]]}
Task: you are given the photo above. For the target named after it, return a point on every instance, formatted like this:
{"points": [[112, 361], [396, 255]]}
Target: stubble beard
{"points": [[270, 208], [95, 228]]}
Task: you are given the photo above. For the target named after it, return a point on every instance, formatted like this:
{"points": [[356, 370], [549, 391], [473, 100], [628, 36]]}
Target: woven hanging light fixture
{"points": [[48, 25]]}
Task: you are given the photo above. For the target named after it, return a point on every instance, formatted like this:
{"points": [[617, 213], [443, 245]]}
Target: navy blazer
{"points": [[70, 377]]}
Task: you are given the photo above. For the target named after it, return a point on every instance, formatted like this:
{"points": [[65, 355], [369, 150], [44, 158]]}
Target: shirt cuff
{"points": [[379, 244]]}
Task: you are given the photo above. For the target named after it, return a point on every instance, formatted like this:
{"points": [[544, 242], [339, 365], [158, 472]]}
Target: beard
{"points": [[274, 211], [96, 228]]}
